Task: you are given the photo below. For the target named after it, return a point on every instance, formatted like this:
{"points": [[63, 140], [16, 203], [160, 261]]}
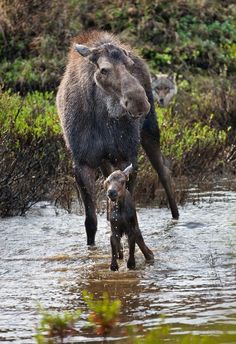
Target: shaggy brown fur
{"points": [[106, 108]]}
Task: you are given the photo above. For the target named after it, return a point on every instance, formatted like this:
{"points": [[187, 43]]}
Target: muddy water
{"points": [[44, 260]]}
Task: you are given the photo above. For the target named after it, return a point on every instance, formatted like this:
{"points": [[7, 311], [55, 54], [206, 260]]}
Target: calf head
{"points": [[113, 75], [115, 184]]}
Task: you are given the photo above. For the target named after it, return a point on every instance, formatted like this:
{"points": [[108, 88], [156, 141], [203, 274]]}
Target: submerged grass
{"points": [[103, 316]]}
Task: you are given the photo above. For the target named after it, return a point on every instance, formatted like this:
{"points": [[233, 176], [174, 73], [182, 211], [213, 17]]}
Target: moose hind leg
{"points": [[152, 148], [85, 178]]}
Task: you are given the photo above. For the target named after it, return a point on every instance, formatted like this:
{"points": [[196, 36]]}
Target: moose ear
{"points": [[171, 77], [128, 170], [128, 57], [82, 50]]}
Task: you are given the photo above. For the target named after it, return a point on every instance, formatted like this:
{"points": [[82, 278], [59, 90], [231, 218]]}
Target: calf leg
{"points": [[114, 250], [152, 148], [85, 178], [149, 256], [131, 259]]}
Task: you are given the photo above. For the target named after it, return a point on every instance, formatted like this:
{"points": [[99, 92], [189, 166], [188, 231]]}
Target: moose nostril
{"points": [[112, 194]]}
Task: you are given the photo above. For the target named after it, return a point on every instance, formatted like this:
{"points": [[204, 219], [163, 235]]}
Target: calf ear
{"points": [[128, 170], [82, 50]]}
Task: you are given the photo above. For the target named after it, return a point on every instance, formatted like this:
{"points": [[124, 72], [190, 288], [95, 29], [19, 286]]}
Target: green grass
{"points": [[184, 36], [183, 132], [34, 115], [180, 137]]}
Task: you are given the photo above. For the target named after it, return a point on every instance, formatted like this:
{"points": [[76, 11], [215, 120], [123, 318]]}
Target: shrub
{"points": [[33, 157], [186, 36]]}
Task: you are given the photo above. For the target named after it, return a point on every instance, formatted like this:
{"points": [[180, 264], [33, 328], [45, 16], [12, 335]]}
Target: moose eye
{"points": [[104, 71]]}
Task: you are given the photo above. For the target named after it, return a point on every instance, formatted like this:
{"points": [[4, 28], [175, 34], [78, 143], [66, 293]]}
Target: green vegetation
{"points": [[56, 326], [103, 316], [34, 162], [196, 40], [34, 115], [195, 130], [103, 313], [184, 36]]}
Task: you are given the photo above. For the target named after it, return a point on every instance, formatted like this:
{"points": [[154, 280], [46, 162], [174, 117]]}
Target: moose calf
{"points": [[123, 219]]}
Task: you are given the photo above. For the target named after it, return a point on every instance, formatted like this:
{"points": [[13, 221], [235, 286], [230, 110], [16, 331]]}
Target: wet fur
{"points": [[97, 130], [123, 220], [85, 112]]}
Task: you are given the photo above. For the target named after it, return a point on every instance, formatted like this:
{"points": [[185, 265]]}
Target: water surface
{"points": [[44, 259]]}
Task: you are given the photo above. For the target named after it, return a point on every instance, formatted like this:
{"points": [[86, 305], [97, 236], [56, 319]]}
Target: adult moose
{"points": [[106, 108]]}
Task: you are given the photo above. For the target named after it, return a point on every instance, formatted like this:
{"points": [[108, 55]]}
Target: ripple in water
{"points": [[44, 259]]}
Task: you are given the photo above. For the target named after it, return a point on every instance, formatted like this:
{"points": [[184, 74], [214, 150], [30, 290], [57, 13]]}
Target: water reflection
{"points": [[192, 282]]}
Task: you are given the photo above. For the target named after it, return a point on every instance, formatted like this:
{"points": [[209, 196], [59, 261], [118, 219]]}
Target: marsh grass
{"points": [[35, 164], [103, 316]]}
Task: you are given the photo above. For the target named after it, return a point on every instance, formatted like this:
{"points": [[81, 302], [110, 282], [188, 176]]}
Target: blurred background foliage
{"points": [[185, 36], [194, 39]]}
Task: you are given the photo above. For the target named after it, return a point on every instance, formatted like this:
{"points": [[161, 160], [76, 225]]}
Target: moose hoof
{"points": [[131, 264], [114, 267]]}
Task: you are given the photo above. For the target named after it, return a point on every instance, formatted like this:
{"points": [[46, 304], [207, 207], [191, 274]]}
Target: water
{"points": [[44, 260]]}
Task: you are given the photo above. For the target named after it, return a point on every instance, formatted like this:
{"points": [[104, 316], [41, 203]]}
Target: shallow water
{"points": [[44, 260]]}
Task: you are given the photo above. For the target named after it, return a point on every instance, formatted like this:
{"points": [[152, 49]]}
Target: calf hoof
{"points": [[131, 264], [114, 267], [149, 257]]}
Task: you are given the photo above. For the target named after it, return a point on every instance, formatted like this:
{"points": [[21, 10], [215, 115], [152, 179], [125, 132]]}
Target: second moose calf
{"points": [[123, 219]]}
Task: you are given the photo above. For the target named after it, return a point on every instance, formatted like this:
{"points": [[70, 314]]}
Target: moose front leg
{"points": [[85, 178], [152, 147]]}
